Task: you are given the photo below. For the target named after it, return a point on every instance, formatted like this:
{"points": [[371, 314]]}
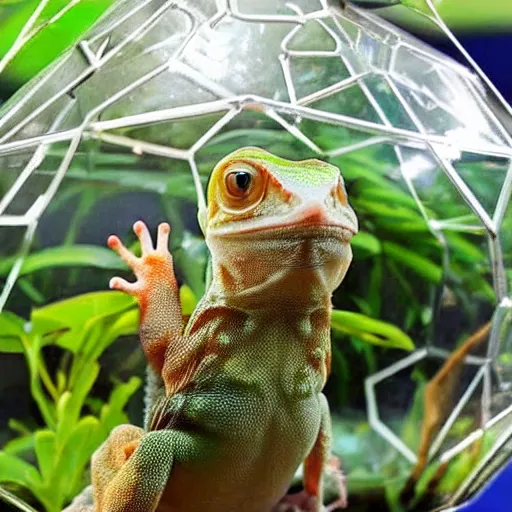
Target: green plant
{"points": [[83, 326]]}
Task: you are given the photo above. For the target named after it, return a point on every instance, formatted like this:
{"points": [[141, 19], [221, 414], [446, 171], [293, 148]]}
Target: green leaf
{"points": [[463, 249], [19, 427], [375, 288], [188, 300], [47, 326], [122, 393], [385, 210], [32, 293], [191, 259], [175, 185], [19, 445], [71, 403], [15, 470], [51, 40], [362, 304], [412, 260], [45, 447], [112, 412], [365, 244], [76, 453], [390, 195], [11, 332], [420, 5], [66, 256], [367, 351], [76, 312], [126, 324], [370, 330]]}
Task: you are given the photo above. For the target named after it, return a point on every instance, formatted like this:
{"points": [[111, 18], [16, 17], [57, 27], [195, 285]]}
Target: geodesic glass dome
{"points": [[130, 121]]}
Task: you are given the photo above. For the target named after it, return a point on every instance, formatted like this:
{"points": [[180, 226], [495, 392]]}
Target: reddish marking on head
{"points": [[340, 192], [313, 215], [287, 195]]}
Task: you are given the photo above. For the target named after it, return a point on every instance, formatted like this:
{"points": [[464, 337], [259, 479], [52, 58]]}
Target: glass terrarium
{"points": [[129, 122]]}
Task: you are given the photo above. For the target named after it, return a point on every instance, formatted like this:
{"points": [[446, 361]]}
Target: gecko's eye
{"points": [[238, 183], [244, 186]]}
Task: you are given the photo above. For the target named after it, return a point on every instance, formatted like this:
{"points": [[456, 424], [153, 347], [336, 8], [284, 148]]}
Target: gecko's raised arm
{"points": [[156, 290]]}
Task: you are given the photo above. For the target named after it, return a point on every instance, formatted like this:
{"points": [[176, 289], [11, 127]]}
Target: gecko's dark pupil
{"points": [[243, 180]]}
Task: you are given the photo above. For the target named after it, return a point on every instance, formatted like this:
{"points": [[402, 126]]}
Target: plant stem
{"points": [[35, 387], [46, 379]]}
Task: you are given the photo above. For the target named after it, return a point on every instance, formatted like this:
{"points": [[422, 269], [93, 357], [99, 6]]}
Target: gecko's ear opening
{"points": [[201, 217]]}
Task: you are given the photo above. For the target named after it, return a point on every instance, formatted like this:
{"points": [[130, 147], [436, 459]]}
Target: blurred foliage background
{"points": [[82, 383]]}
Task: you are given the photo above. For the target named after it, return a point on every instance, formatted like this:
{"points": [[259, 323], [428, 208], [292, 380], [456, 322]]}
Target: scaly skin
{"points": [[238, 403]]}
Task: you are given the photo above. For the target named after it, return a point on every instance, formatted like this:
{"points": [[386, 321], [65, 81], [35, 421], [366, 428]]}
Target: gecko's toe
{"points": [[114, 242], [142, 232], [162, 241], [118, 283]]}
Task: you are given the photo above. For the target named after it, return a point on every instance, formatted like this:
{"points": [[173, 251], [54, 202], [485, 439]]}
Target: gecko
{"points": [[235, 402]]}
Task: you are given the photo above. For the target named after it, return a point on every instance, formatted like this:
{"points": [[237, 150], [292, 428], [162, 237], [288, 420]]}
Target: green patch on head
{"points": [[310, 172]]}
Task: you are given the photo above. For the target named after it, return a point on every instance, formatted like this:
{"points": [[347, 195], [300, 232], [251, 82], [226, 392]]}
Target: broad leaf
{"points": [[15, 470], [76, 312], [365, 244], [51, 39], [77, 451], [414, 261], [66, 256], [370, 330], [11, 332], [112, 412], [420, 5], [188, 300], [71, 403], [46, 452]]}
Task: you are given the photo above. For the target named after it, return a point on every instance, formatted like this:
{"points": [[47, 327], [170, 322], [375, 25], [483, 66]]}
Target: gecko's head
{"points": [[294, 212]]}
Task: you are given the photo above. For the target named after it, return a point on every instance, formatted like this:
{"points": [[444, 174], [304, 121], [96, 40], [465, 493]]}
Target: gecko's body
{"points": [[240, 406]]}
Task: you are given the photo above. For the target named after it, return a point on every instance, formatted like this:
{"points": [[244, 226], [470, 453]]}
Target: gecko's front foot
{"points": [[153, 267]]}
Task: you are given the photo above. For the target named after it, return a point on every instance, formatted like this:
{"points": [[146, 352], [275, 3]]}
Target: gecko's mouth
{"points": [[295, 230], [312, 220]]}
